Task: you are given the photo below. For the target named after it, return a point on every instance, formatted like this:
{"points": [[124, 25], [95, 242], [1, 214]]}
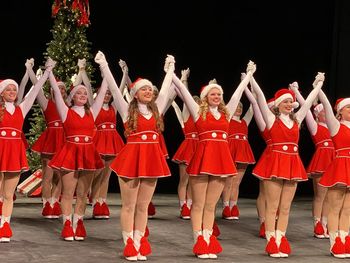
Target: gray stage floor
{"points": [[37, 240]]}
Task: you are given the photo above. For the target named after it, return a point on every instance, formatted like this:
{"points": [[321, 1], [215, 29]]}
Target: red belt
{"points": [[192, 135], [213, 136], [55, 124], [79, 139], [287, 148], [344, 152], [238, 136], [144, 137], [325, 144], [10, 133], [106, 126]]}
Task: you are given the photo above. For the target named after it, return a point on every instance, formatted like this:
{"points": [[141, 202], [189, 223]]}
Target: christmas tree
{"points": [[69, 43]]}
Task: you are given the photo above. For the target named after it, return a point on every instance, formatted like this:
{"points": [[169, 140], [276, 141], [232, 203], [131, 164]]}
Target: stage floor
{"points": [[38, 240]]}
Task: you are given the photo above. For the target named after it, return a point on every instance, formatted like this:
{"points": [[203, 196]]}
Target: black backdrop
{"points": [[289, 41]]}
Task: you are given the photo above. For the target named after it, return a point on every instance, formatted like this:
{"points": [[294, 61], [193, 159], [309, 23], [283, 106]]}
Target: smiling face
{"points": [[108, 97], [80, 97], [286, 106], [144, 94], [214, 97], [9, 94]]}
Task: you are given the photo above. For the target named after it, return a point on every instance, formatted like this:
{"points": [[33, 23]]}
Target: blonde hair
{"points": [[134, 112], [204, 108]]}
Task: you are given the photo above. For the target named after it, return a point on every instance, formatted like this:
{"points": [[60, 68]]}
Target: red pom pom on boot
{"points": [[338, 248], [262, 230], [5, 233], [145, 247], [216, 230], [272, 249], [80, 232], [200, 249], [130, 252], [318, 230], [67, 231]]}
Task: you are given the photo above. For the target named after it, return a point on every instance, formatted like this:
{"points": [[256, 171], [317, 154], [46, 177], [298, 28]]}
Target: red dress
{"points": [[238, 142], [324, 154], [188, 147], [284, 161], [142, 156], [338, 172], [212, 156], [52, 139], [12, 149], [163, 145], [78, 152], [261, 166], [106, 139]]}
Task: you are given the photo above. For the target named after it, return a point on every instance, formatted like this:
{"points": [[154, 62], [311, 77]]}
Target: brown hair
{"points": [[292, 116], [134, 112]]}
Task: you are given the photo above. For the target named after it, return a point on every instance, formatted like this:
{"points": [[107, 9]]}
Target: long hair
{"points": [[134, 112], [86, 106], [204, 108]]}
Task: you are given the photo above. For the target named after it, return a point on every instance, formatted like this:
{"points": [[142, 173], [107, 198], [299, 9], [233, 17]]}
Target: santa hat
{"points": [[205, 90], [318, 108], [4, 83], [60, 82], [284, 94], [138, 84], [271, 103], [341, 103], [74, 89]]}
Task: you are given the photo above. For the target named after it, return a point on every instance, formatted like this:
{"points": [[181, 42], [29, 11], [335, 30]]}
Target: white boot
{"points": [[206, 234], [196, 234], [137, 241], [269, 235], [126, 237], [332, 239], [324, 221]]}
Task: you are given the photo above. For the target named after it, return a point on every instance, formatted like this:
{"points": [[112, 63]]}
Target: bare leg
{"points": [[9, 184]]}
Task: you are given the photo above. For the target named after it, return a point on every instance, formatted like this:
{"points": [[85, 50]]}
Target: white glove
{"points": [[319, 77], [294, 86], [184, 74], [243, 75], [123, 66], [251, 67], [169, 63], [100, 59], [29, 63], [39, 73], [50, 64], [82, 63]]}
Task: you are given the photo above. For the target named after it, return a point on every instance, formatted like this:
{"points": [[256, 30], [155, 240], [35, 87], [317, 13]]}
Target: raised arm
{"points": [[268, 116], [85, 79], [301, 113], [257, 113], [121, 105], [165, 93], [24, 81], [126, 81], [97, 104], [186, 96], [59, 101], [235, 98], [27, 103], [332, 123], [178, 113], [248, 116], [310, 121]]}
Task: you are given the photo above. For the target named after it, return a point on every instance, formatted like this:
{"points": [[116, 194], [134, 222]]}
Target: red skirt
{"points": [[261, 166], [108, 142], [320, 161], [337, 173], [185, 151], [212, 157], [50, 141], [241, 151], [76, 157], [13, 155], [141, 157]]}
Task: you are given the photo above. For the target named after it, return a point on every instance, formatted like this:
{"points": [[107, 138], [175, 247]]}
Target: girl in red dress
{"points": [[260, 166], [337, 176], [242, 156], [78, 159], [284, 168], [141, 161], [211, 163], [322, 158], [47, 145], [13, 160]]}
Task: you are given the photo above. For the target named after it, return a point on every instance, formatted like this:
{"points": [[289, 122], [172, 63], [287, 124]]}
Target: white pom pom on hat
{"points": [[138, 84], [5, 82], [205, 90], [283, 94]]}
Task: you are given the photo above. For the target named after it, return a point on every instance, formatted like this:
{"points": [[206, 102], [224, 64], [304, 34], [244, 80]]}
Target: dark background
{"points": [[289, 41]]}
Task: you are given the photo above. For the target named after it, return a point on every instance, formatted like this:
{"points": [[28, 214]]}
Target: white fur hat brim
{"points": [[207, 88], [6, 82]]}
